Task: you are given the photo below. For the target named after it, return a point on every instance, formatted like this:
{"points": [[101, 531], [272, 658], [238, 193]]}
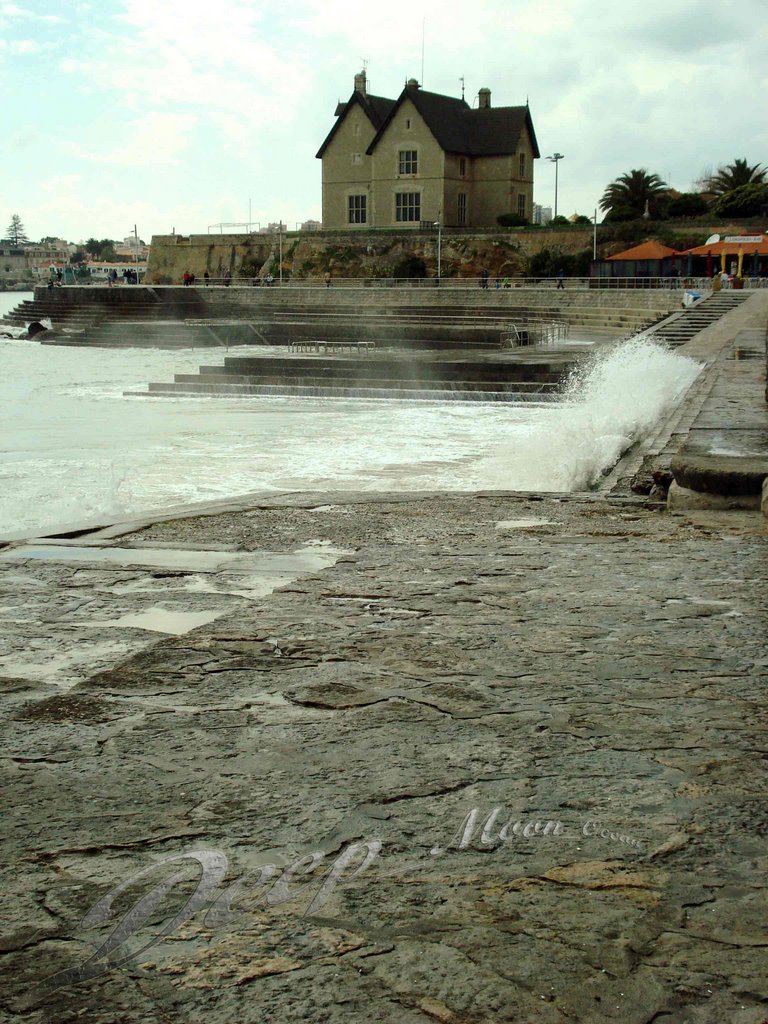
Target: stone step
{"points": [[537, 386], [373, 367], [326, 391]]}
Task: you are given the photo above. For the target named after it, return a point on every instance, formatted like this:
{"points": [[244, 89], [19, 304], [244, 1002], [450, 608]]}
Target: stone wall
{"points": [[353, 254], [222, 301], [373, 254]]}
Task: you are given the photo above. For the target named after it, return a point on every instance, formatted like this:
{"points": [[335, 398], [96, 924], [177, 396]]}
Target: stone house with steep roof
{"points": [[424, 158]]}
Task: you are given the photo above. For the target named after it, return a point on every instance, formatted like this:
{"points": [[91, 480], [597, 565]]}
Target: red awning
{"points": [[731, 248], [646, 251]]}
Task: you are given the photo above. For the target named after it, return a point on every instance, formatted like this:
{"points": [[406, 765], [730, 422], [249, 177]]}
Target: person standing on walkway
{"points": [[561, 279], [328, 280], [484, 275], [206, 278]]}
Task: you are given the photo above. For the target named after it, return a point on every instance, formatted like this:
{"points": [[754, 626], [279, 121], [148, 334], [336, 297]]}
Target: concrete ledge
{"points": [[698, 470], [683, 498]]}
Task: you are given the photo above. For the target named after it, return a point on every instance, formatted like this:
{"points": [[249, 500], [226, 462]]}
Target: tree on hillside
{"points": [[731, 176], [15, 231], [626, 197], [687, 204], [745, 201], [101, 250]]}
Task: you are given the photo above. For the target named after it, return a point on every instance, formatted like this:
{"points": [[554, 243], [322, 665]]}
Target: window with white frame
{"points": [[407, 206], [408, 162], [462, 208], [357, 209], [521, 205]]}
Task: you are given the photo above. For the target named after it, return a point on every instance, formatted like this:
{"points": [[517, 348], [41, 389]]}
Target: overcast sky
{"points": [[176, 113]]}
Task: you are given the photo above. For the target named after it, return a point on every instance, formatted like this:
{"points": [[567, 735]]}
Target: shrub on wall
{"points": [[549, 262], [511, 220], [410, 265]]}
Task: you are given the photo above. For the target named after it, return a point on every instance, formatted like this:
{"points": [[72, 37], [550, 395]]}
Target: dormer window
{"points": [[408, 162]]}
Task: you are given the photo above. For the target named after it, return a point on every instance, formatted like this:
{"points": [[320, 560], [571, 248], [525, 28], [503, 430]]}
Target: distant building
{"points": [[424, 158], [99, 270], [311, 225], [30, 261], [541, 214], [132, 247], [650, 259]]}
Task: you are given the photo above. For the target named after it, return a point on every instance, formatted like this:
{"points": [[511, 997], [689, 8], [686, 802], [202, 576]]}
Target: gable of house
{"points": [[426, 157]]}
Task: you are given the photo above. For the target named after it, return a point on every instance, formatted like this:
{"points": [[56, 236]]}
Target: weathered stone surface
{"points": [[686, 499], [702, 471], [600, 670]]}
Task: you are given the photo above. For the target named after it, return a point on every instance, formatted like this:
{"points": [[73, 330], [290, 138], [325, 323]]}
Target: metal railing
{"points": [[534, 332], [508, 284]]}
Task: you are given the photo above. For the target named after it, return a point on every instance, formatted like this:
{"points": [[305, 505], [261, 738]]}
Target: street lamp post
{"points": [[594, 237], [439, 226], [556, 158], [280, 244]]}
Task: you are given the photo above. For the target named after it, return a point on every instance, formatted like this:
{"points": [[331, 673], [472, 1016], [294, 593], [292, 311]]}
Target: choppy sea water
{"points": [[72, 447]]}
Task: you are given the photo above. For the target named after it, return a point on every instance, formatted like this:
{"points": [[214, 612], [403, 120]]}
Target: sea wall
{"points": [[376, 254]]}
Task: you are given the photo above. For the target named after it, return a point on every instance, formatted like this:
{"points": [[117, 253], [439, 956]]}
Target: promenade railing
{"points": [[701, 284]]}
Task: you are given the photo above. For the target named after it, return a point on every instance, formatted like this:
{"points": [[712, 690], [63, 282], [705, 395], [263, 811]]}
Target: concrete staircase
{"points": [[170, 317], [678, 329], [414, 377], [121, 316]]}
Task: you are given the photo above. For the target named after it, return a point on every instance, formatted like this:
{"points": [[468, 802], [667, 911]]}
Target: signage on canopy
{"points": [[743, 239]]}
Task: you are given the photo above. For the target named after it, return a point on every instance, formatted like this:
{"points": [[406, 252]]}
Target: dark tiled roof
{"points": [[376, 108], [497, 130], [490, 131]]}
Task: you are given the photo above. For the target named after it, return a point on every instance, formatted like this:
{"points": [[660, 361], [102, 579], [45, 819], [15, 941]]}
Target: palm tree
{"points": [[734, 175], [630, 192]]}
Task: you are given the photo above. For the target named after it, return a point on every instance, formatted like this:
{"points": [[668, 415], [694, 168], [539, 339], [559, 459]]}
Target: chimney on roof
{"points": [[360, 82], [484, 99]]}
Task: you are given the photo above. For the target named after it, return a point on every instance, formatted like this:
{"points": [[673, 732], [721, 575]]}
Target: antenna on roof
{"points": [[462, 86], [423, 27]]}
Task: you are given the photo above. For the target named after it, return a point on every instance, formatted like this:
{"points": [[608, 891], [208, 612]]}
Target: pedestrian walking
{"points": [[328, 281], [206, 278], [484, 275], [561, 279]]}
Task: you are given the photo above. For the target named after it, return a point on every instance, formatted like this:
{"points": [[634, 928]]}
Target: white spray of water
{"points": [[609, 403]]}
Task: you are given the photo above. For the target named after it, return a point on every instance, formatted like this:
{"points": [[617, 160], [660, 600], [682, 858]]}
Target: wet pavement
{"points": [[490, 757]]}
